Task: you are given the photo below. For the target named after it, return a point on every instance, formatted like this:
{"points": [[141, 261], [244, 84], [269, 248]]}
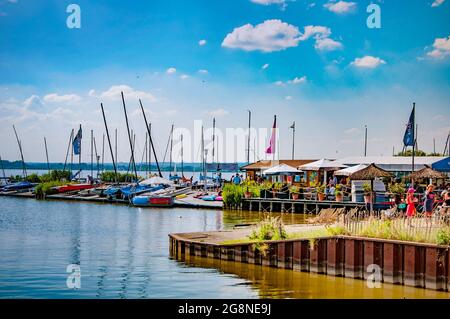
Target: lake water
{"points": [[123, 252]]}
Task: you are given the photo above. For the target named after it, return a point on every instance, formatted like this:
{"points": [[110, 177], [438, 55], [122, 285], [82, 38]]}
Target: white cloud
{"points": [[321, 35], [368, 62], [437, 3], [218, 112], [203, 71], [113, 93], [269, 36], [275, 35], [268, 2], [265, 66], [340, 7], [68, 98], [317, 31], [184, 77], [91, 93], [352, 130], [297, 80], [33, 101], [202, 42], [288, 98], [171, 71], [327, 44], [441, 48], [281, 3]]}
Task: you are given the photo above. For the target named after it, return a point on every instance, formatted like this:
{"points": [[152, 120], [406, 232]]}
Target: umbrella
{"points": [[427, 172], [281, 169], [156, 181], [370, 173], [350, 170]]}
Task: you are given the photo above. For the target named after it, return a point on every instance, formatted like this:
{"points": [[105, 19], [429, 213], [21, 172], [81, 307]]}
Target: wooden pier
{"points": [[269, 205]]}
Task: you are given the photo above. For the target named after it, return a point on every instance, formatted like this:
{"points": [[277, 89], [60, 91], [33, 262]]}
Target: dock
{"points": [[398, 262], [189, 202], [304, 206], [265, 205]]}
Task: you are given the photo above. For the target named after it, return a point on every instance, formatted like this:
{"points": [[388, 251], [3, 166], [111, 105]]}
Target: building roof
{"points": [[322, 164], [394, 163], [263, 165], [281, 169]]}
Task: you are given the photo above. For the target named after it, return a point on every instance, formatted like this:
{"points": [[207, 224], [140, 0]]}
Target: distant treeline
{"points": [[187, 167]]}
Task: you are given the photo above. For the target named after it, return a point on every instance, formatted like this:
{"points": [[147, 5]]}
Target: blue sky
{"points": [[315, 62]]}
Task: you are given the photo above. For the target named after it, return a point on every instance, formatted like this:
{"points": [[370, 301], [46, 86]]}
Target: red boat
{"points": [[73, 187]]}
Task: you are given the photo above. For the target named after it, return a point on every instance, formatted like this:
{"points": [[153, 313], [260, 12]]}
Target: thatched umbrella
{"points": [[427, 173], [370, 173]]}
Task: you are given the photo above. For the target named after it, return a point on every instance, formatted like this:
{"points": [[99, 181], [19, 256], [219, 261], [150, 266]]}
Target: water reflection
{"points": [[124, 253], [278, 283]]}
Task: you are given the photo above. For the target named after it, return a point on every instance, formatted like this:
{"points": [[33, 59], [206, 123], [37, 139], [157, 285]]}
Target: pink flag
{"points": [[271, 148]]}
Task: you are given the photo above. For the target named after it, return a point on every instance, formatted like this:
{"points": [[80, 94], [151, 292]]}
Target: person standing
{"points": [[410, 202], [429, 203]]}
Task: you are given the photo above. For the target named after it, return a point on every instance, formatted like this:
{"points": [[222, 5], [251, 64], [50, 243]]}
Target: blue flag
{"points": [[409, 139], [77, 142]]}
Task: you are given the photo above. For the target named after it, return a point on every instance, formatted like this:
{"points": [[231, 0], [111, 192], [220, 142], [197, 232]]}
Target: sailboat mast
{"points": [[171, 149], [21, 153], [149, 149], [109, 143], [68, 149], [182, 157], [46, 154], [129, 136], [96, 157], [214, 140], [151, 140], [92, 153]]}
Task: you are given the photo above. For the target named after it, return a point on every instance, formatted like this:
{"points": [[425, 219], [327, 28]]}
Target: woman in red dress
{"points": [[411, 208]]}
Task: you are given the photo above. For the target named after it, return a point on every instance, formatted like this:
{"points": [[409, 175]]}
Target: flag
{"points": [[271, 148], [409, 139], [292, 126], [77, 142]]}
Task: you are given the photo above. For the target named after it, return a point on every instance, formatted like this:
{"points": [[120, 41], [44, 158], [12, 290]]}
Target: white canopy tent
{"points": [[281, 169], [350, 170], [322, 165]]}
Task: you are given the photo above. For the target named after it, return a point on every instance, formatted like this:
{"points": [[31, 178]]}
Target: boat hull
{"points": [[156, 201]]}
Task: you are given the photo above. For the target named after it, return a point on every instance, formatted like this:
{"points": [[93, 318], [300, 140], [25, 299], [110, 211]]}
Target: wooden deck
{"points": [[294, 206]]}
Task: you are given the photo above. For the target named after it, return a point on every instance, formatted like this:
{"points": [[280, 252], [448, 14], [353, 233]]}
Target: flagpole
{"points": [[414, 137], [275, 132], [79, 155], [293, 140]]}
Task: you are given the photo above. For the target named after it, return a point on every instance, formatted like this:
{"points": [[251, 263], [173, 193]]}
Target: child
{"points": [[411, 208], [429, 203]]}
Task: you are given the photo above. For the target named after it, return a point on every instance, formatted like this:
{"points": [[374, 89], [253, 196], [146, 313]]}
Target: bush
{"points": [[33, 178], [232, 194], [443, 237], [111, 177], [55, 175], [271, 228]]}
